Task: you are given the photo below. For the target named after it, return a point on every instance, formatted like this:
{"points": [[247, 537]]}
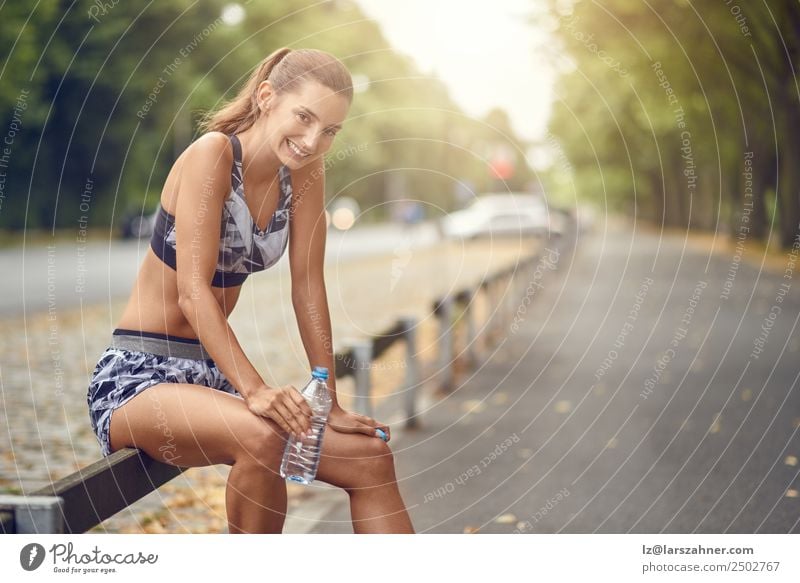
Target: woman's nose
{"points": [[310, 142]]}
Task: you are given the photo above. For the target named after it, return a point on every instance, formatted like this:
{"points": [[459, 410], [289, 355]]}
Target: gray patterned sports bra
{"points": [[243, 247]]}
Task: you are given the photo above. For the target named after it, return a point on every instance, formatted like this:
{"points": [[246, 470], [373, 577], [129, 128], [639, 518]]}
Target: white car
{"points": [[509, 214]]}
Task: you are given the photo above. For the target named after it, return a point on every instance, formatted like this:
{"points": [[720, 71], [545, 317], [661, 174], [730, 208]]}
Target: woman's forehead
{"points": [[321, 102]]}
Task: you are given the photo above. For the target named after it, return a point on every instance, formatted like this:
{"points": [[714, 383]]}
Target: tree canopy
{"points": [[683, 112], [103, 96]]}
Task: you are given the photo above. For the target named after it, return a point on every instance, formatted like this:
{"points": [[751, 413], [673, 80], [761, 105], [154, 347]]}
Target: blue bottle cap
{"points": [[320, 372]]}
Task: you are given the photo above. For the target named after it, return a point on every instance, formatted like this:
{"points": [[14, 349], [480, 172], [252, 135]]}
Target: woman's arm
{"points": [[308, 232], [314, 323], [204, 185]]}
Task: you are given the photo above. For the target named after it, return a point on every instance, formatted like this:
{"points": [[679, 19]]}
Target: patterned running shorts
{"points": [[137, 360]]}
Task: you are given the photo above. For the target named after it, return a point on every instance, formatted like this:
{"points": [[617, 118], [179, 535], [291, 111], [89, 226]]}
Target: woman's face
{"points": [[300, 126]]}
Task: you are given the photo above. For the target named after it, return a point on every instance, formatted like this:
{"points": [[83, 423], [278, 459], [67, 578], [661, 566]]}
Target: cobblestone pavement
{"points": [[46, 360]]}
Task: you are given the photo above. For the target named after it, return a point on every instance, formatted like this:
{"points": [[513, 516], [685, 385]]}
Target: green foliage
{"points": [[115, 90], [669, 97]]}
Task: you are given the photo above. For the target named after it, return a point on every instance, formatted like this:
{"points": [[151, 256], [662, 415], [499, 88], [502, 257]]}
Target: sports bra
{"points": [[243, 247]]}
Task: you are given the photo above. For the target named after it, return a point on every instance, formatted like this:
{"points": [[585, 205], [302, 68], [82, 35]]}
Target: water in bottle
{"points": [[301, 456]]}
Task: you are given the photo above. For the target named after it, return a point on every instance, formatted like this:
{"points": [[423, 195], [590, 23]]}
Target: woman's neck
{"points": [[259, 162]]}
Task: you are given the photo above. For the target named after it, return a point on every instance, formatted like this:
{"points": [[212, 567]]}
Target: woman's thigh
{"points": [[354, 460], [193, 425]]}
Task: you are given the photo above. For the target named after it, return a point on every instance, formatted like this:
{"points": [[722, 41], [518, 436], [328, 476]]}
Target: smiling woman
{"points": [[227, 211]]}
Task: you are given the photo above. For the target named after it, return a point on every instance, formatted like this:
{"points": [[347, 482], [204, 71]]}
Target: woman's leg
{"points": [[191, 425], [364, 467]]}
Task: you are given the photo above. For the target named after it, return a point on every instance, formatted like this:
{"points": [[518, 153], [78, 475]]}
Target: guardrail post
{"points": [[486, 325], [511, 297], [362, 366], [36, 514], [511, 304], [469, 316], [445, 310], [496, 313], [412, 371]]}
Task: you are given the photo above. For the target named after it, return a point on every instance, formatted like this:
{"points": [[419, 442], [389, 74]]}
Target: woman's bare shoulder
{"points": [[211, 147], [209, 157]]}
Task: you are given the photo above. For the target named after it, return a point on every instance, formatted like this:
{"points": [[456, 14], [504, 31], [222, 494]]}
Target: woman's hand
{"points": [[348, 422], [284, 405]]}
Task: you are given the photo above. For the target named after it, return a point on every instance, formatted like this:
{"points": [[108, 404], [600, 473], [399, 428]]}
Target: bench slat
{"points": [[6, 522], [100, 490]]}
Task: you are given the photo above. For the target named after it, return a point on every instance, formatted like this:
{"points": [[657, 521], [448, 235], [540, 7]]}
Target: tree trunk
{"points": [[788, 196]]}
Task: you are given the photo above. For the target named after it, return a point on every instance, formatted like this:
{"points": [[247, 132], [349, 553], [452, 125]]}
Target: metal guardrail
{"points": [[89, 496]]}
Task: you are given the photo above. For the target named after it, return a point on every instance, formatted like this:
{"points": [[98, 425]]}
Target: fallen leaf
{"points": [[500, 398], [473, 406], [154, 528], [563, 407]]}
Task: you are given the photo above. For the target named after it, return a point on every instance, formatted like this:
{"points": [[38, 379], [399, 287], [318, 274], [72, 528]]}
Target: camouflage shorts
{"points": [[137, 360]]}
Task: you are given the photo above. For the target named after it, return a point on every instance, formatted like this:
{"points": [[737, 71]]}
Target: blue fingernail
{"points": [[380, 433]]}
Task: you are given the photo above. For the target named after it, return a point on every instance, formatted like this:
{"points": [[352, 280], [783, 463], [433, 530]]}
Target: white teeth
{"points": [[295, 149]]}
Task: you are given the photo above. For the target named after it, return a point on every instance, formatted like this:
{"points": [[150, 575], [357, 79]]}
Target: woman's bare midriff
{"points": [[153, 304]]}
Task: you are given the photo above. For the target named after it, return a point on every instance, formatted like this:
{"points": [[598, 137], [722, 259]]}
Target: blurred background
{"points": [[554, 97], [480, 133]]}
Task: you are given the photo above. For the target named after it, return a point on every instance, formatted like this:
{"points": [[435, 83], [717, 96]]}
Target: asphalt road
{"points": [[71, 272], [650, 387]]}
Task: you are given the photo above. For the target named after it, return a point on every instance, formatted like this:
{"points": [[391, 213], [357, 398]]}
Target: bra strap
{"points": [[286, 186], [236, 170]]}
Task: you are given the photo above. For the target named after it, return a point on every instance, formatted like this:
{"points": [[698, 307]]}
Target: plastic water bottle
{"points": [[301, 456]]}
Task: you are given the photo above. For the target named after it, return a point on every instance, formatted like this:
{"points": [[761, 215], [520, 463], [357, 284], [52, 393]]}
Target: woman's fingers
{"points": [[300, 402], [366, 420], [374, 428], [278, 418], [290, 419], [373, 425]]}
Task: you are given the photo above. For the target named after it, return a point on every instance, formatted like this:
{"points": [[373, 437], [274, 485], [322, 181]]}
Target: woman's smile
{"points": [[295, 150]]}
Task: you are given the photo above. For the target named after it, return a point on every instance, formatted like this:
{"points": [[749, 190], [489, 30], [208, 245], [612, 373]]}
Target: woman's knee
{"points": [[261, 443], [373, 467]]}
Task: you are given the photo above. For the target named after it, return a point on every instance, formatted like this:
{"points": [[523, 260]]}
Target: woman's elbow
{"points": [[189, 293]]}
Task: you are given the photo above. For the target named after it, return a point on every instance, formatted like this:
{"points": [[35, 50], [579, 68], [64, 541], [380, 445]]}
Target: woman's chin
{"points": [[296, 163]]}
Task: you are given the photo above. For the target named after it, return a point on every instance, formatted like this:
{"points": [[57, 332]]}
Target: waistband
{"points": [[157, 343]]}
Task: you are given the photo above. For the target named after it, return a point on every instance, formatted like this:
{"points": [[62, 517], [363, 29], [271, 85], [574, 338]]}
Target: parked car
{"points": [[506, 214]]}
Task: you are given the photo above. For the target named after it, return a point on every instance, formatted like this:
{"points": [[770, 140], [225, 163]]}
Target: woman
{"points": [[227, 208]]}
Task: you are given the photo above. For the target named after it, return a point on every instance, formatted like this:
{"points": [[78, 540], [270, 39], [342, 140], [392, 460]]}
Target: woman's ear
{"points": [[264, 96]]}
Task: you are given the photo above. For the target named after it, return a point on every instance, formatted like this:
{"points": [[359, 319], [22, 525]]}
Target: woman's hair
{"points": [[285, 69]]}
